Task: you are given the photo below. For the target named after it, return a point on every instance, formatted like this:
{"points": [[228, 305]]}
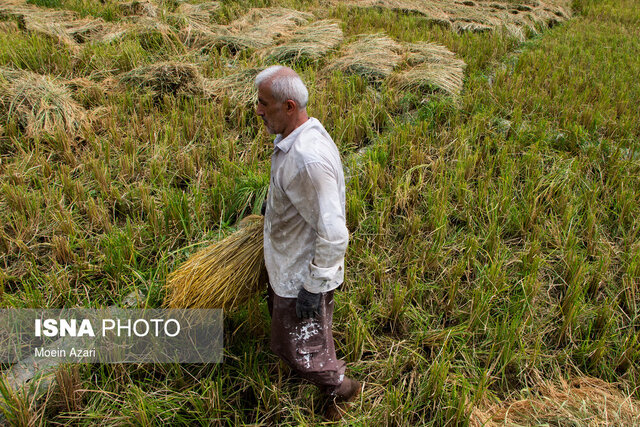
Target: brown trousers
{"points": [[306, 344]]}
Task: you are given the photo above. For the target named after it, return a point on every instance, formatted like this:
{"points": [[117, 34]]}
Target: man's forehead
{"points": [[264, 91]]}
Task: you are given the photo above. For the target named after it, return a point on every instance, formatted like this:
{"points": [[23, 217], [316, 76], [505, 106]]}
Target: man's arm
{"points": [[315, 194]]}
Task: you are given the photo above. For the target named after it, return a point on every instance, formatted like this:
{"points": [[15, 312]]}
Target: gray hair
{"points": [[284, 85]]}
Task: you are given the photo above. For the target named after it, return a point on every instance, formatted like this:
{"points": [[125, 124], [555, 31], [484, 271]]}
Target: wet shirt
{"points": [[305, 233]]}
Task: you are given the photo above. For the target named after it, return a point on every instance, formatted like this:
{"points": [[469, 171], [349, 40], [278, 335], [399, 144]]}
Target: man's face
{"points": [[272, 112]]}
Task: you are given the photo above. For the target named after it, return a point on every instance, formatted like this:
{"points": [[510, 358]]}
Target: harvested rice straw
{"points": [[8, 26], [372, 56], [238, 87], [418, 53], [260, 28], [223, 275], [66, 28], [167, 77], [39, 20], [137, 7], [479, 15], [201, 13], [434, 68], [433, 77], [580, 401], [42, 105], [310, 42], [198, 35], [197, 30], [84, 30]]}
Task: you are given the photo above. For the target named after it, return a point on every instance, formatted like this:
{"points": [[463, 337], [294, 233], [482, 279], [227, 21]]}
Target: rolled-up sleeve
{"points": [[315, 194]]}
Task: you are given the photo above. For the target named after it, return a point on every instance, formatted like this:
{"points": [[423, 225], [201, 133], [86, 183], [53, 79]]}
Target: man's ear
{"points": [[291, 106]]}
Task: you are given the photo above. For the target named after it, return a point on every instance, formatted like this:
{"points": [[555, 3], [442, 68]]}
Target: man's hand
{"points": [[307, 304]]}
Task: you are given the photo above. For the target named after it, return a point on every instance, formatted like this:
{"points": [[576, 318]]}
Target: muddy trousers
{"points": [[306, 345]]}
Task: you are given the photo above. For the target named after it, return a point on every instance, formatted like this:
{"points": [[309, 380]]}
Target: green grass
{"points": [[494, 240]]}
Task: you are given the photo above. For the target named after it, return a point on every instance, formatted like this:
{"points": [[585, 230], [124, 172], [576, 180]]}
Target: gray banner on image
{"points": [[112, 335]]}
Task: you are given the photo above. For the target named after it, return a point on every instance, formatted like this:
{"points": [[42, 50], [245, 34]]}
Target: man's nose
{"points": [[259, 110]]}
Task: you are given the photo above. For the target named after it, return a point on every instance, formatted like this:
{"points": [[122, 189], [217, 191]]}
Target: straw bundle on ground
{"points": [[63, 26], [201, 13], [480, 15], [141, 8], [372, 56], [85, 30], [260, 28], [223, 275], [46, 22], [237, 87], [582, 401], [167, 78], [421, 52], [434, 68], [196, 28], [432, 77], [8, 26], [41, 105], [87, 92], [310, 42]]}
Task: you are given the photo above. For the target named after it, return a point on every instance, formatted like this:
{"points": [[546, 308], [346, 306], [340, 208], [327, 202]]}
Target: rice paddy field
{"points": [[492, 149]]}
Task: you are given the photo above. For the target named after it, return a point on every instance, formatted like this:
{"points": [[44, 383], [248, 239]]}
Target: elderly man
{"points": [[305, 236]]}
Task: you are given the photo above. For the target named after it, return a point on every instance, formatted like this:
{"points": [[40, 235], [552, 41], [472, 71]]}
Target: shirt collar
{"points": [[284, 144]]}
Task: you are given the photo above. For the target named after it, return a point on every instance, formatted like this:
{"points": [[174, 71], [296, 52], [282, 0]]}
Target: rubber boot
{"points": [[347, 392]]}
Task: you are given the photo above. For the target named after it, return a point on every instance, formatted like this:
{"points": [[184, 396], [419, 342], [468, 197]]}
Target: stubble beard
{"points": [[269, 128]]}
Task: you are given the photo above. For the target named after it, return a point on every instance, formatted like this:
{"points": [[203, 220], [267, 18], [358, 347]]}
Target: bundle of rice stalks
{"points": [[223, 275], [421, 52], [200, 13], [87, 92], [41, 105], [310, 43], [260, 28], [195, 22], [152, 35], [86, 30], [140, 8], [237, 87], [199, 36], [167, 78], [372, 56], [432, 77], [434, 68], [8, 26], [63, 26], [480, 15], [45, 22], [582, 401]]}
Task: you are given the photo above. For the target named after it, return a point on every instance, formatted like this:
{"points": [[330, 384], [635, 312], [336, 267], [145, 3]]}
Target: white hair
{"points": [[284, 85]]}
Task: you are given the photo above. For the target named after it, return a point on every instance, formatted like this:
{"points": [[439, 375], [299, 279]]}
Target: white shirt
{"points": [[305, 232]]}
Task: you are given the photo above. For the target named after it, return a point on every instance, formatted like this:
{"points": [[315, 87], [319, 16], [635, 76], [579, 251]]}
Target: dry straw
{"points": [[311, 43], [168, 78], [41, 105], [434, 68], [260, 28], [479, 15], [67, 29], [237, 87], [46, 22], [223, 275], [372, 56], [197, 30], [140, 8], [64, 27], [201, 13], [582, 401]]}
